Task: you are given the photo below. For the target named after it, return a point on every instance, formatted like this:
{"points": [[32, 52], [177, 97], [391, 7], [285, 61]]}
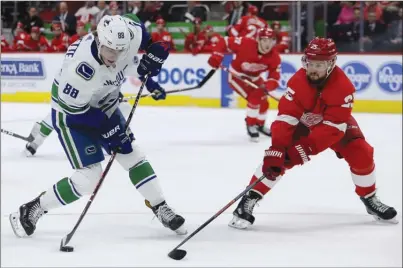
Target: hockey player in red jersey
{"points": [[282, 38], [80, 29], [213, 39], [60, 41], [247, 26], [314, 115], [196, 40], [252, 58], [5, 46], [162, 35], [35, 41]]}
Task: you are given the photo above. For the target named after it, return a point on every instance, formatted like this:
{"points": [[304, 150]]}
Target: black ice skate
{"points": [[243, 217], [24, 221], [253, 132], [264, 130], [168, 217], [379, 210], [30, 149]]}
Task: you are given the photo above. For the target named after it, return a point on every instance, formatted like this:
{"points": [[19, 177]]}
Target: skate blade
{"points": [[239, 223], [16, 225], [256, 139], [27, 153], [181, 230], [391, 221]]}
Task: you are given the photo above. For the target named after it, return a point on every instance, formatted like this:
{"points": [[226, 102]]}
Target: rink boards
{"points": [[27, 77]]}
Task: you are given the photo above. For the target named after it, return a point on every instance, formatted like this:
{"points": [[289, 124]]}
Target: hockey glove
{"points": [[158, 93], [114, 136], [299, 152], [152, 60], [273, 163], [215, 59]]}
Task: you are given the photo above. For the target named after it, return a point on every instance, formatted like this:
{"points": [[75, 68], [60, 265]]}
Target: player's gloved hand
{"points": [[271, 85], [121, 97], [215, 59], [158, 93], [273, 162], [92, 119], [299, 152], [114, 137], [152, 60]]}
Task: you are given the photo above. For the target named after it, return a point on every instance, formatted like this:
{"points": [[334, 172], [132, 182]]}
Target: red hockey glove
{"points": [[273, 163], [271, 85], [215, 59], [299, 152]]}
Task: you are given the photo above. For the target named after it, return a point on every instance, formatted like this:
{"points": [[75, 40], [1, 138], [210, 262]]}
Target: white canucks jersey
{"points": [[84, 81]]}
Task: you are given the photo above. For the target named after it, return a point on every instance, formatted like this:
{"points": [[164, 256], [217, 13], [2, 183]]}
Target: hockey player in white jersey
{"points": [[86, 117]]}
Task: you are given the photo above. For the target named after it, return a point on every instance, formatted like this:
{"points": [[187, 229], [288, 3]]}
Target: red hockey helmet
{"points": [[252, 10], [319, 56], [276, 25], [160, 22], [56, 25], [20, 25], [208, 28], [266, 40], [266, 33]]}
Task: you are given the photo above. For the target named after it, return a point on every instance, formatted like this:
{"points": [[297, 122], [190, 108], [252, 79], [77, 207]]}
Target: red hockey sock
{"points": [[261, 188]]}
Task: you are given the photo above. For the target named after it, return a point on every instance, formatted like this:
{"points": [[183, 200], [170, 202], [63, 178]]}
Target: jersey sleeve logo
{"points": [[85, 71]]}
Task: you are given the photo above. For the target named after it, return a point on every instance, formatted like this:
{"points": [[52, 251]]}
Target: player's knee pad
{"points": [[127, 161], [360, 156], [85, 179]]}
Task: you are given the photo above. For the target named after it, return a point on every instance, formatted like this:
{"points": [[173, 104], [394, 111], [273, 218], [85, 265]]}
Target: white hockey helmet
{"points": [[113, 37]]}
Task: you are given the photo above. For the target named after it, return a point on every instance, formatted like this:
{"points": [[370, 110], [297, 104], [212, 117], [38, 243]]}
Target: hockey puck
{"points": [[66, 249], [177, 254]]}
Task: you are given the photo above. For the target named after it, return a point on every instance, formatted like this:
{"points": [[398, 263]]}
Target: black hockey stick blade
{"points": [[64, 242], [15, 135], [177, 254], [207, 77]]}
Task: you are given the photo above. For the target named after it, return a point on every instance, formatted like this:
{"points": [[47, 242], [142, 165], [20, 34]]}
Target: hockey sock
{"points": [[261, 118], [62, 193], [45, 129], [364, 183], [252, 111], [146, 182]]}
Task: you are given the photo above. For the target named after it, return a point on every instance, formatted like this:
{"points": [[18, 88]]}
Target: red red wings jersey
{"points": [[247, 60], [282, 42], [41, 44], [325, 112], [19, 41], [60, 43], [163, 36], [247, 26], [5, 45], [193, 41], [73, 39], [215, 39]]}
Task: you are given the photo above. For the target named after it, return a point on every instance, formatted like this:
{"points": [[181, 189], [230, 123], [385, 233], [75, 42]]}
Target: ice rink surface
{"points": [[203, 159]]}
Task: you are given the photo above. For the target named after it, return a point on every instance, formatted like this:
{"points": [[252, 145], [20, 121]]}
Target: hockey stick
{"points": [[201, 84], [15, 135], [68, 237], [178, 254], [247, 81]]}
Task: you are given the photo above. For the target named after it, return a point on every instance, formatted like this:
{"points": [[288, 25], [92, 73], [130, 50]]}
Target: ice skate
{"points": [[253, 132], [24, 221], [243, 217], [30, 149], [379, 210], [168, 217], [264, 130]]}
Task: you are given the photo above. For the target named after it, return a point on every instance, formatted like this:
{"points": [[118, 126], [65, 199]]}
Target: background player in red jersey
{"points": [[162, 35], [252, 58], [60, 41], [213, 39], [248, 25], [196, 40], [19, 37], [282, 38], [35, 41], [314, 115], [5, 46], [80, 32]]}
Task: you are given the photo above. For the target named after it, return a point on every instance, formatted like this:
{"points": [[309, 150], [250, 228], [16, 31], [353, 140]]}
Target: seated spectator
{"points": [[60, 41], [346, 15], [374, 32], [213, 39], [80, 32], [394, 34], [162, 34], [32, 20], [35, 41], [375, 7], [87, 13], [134, 6], [67, 20], [103, 10], [282, 38]]}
